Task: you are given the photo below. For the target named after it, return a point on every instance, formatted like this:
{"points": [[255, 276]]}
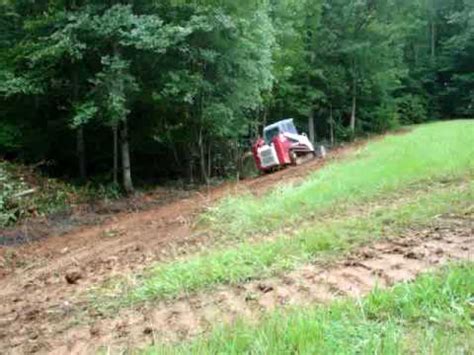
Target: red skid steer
{"points": [[280, 146]]}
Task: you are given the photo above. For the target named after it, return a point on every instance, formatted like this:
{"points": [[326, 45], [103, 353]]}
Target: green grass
{"points": [[432, 315], [408, 180], [430, 152], [260, 259]]}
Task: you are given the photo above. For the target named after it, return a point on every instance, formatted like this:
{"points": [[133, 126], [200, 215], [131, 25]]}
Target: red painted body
{"points": [[282, 146], [259, 143]]}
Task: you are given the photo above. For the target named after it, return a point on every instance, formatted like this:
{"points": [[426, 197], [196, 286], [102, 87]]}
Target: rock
{"points": [[73, 276], [94, 330], [31, 314], [265, 288], [148, 330], [414, 255], [250, 297]]}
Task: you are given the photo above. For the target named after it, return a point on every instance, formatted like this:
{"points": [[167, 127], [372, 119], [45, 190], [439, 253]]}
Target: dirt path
{"points": [[49, 328], [127, 235], [32, 276]]}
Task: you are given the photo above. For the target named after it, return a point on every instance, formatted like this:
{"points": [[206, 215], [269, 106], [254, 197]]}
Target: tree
{"points": [[179, 87]]}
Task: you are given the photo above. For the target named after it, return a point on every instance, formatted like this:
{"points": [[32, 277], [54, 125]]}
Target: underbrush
{"points": [[25, 193], [429, 316], [433, 152]]}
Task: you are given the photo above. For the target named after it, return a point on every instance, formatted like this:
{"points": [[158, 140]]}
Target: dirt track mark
{"points": [[381, 264]]}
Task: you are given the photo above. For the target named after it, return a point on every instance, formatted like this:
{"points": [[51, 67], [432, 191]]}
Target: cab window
{"points": [[270, 134], [290, 128]]}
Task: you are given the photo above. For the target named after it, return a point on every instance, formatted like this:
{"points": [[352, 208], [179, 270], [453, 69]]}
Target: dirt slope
{"points": [[32, 276]]}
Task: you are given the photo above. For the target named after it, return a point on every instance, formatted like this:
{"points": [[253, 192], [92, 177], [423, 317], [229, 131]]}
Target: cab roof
{"points": [[279, 124]]}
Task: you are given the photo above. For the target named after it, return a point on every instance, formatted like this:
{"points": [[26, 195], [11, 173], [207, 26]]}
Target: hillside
{"points": [[333, 249]]}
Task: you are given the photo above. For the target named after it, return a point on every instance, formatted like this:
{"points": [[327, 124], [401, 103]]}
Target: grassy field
{"points": [[405, 187], [316, 240], [433, 152], [430, 316]]}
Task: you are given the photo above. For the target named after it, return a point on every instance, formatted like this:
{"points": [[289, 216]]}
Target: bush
{"points": [[384, 118], [8, 188], [47, 196], [412, 109]]}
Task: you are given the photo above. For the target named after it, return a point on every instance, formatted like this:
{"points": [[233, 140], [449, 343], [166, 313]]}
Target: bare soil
{"points": [[43, 281]]}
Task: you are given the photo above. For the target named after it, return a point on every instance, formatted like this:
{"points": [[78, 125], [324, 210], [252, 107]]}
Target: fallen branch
{"points": [[24, 193]]}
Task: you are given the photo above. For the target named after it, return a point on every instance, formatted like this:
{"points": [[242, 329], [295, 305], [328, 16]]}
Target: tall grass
{"points": [[438, 151], [430, 316]]}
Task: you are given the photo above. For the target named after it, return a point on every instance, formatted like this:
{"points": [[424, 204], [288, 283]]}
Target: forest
{"points": [[139, 91]]}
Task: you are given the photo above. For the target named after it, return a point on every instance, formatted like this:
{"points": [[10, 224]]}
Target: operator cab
{"points": [[273, 130]]}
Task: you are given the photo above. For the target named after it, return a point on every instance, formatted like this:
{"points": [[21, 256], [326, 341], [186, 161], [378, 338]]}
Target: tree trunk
{"points": [[354, 97], [115, 154], [81, 152], [312, 133], [264, 122], [80, 143], [331, 125], [353, 112], [433, 38], [190, 170], [126, 168], [174, 151], [209, 161], [202, 157]]}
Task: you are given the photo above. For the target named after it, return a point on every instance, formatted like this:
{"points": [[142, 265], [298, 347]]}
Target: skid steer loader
{"points": [[280, 146]]}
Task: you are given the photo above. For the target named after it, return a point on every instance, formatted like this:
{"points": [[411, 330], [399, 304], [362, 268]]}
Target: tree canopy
{"points": [[165, 89]]}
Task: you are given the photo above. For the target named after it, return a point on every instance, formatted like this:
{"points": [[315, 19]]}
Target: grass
{"points": [[430, 152], [250, 260], [432, 315], [426, 169], [392, 184]]}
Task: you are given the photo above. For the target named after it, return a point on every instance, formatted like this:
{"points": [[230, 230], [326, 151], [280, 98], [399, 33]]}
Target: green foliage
{"points": [[83, 113], [195, 81], [428, 316], [10, 137], [412, 109], [20, 199], [8, 187], [114, 84]]}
